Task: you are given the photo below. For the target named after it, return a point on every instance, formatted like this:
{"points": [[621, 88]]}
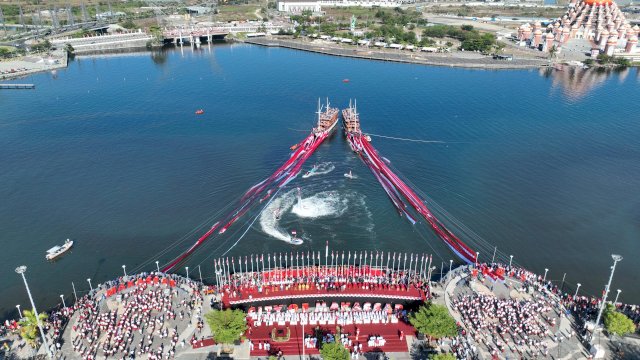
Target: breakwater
{"points": [[468, 60]]}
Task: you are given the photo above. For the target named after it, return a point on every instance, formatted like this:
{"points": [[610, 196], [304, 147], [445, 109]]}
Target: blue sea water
{"points": [[544, 165]]}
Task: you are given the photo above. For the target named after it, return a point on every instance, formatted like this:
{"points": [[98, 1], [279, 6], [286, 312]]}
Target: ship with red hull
{"points": [[327, 119], [406, 201]]}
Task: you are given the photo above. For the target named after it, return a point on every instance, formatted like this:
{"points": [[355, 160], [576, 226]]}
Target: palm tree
{"points": [[29, 327]]}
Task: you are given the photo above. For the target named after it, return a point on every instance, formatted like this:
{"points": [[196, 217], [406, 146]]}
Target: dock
{"points": [[17, 86]]}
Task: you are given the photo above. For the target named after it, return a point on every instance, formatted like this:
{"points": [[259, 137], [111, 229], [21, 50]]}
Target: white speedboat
{"points": [[57, 250], [294, 240]]}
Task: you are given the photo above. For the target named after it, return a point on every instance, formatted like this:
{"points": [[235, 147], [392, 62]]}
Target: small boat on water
{"points": [[199, 112], [58, 250], [295, 240], [294, 146], [349, 175], [345, 80], [310, 172]]}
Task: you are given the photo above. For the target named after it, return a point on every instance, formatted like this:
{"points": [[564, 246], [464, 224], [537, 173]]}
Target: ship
{"points": [[351, 125], [327, 119], [58, 250]]}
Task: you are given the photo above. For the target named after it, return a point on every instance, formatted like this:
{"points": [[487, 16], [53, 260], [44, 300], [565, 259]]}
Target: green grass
{"points": [[237, 12], [346, 12]]}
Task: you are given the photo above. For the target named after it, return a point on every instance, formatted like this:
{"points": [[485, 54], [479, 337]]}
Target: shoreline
{"points": [[30, 66], [420, 58]]}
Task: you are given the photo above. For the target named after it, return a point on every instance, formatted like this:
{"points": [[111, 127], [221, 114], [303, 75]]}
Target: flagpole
{"points": [[404, 265], [326, 255], [411, 263], [493, 259]]}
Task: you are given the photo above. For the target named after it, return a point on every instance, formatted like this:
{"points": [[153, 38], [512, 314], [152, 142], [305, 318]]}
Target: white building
{"points": [[297, 7]]}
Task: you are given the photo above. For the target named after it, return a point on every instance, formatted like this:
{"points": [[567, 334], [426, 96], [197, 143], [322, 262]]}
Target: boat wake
{"points": [[270, 217], [322, 204], [320, 169], [325, 204]]}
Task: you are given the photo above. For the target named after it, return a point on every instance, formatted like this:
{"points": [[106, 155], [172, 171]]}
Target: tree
{"points": [[434, 321], [553, 51], [227, 326], [617, 323], [445, 356], [29, 327], [69, 49], [334, 351]]}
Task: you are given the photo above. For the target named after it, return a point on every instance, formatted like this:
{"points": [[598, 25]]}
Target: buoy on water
{"points": [[199, 112], [345, 80]]}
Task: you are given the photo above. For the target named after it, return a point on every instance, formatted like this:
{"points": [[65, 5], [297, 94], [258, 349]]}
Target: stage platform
{"points": [[294, 294], [390, 332]]}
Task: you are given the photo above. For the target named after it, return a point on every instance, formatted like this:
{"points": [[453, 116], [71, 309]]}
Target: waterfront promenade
{"points": [[501, 312], [27, 65], [457, 59]]}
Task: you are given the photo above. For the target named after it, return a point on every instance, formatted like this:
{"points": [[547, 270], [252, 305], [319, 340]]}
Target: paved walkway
{"points": [[459, 283]]}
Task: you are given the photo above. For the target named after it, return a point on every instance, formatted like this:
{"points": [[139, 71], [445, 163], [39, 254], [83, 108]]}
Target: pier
{"points": [[17, 86], [194, 36]]}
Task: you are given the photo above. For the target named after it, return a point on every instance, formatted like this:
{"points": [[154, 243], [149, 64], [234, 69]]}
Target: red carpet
{"points": [[294, 346], [204, 343]]}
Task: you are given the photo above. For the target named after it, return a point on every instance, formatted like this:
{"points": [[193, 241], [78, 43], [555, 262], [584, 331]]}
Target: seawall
{"points": [[465, 60]]}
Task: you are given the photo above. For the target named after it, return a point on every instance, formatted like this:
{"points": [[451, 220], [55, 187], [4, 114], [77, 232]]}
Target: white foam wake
{"points": [[321, 169], [326, 203], [277, 208]]}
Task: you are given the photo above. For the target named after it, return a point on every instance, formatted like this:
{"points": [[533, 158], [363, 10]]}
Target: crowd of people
{"points": [[586, 308], [500, 322], [145, 323]]}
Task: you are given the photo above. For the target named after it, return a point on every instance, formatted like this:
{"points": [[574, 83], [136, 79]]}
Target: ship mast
{"points": [[319, 112]]}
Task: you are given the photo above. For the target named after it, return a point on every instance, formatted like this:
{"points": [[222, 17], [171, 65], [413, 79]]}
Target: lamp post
{"points": [[477, 255], [21, 270], [450, 264], [615, 258], [200, 272], [187, 268], [616, 300], [158, 265], [578, 288], [63, 304], [19, 312], [124, 269], [75, 296], [510, 260], [545, 275], [89, 281]]}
